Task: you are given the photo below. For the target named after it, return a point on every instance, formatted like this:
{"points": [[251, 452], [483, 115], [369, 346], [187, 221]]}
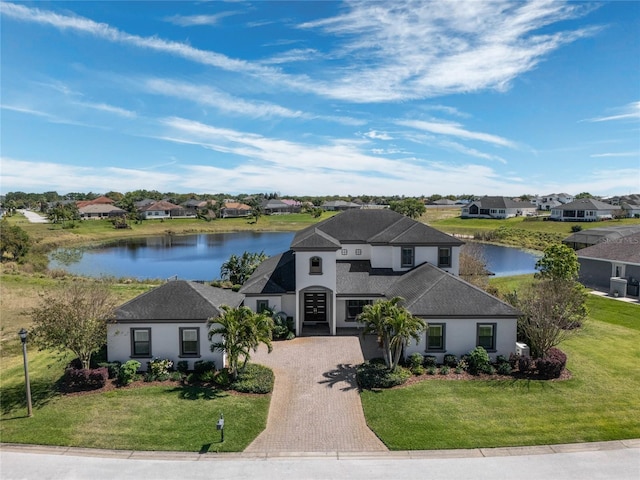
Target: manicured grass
{"points": [[600, 402], [179, 418]]}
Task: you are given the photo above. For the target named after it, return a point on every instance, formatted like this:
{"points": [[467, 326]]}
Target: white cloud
{"points": [[616, 154], [628, 112], [103, 107], [195, 20], [375, 135], [456, 130]]}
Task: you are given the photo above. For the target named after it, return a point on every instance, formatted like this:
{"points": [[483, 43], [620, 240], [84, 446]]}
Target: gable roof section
{"points": [[178, 300], [375, 226], [275, 275], [314, 239], [431, 292], [161, 205], [625, 249], [501, 202], [586, 204]]}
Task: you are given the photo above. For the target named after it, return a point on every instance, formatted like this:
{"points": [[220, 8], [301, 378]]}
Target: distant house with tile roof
{"points": [[583, 210], [235, 209], [336, 267], [169, 321], [160, 209], [497, 207]]}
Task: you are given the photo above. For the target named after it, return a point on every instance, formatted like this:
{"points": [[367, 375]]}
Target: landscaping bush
{"points": [[432, 370], [419, 370], [208, 376], [202, 366], [430, 361], [112, 367], [183, 366], [576, 228], [376, 375], [128, 372], [160, 367], [478, 360], [222, 378], [450, 360], [552, 364], [504, 368], [80, 379], [254, 379], [415, 360], [501, 359], [445, 369], [462, 366], [488, 369], [524, 364]]}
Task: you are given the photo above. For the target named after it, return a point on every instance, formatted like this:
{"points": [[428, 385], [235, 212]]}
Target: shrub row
{"points": [[81, 379], [375, 374]]}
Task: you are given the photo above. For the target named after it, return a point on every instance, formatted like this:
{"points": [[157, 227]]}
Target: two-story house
{"points": [[336, 267]]}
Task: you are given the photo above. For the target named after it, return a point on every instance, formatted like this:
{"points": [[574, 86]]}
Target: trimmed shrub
{"points": [[504, 368], [478, 360], [445, 369], [524, 364], [376, 375], [430, 361], [415, 360], [175, 376], [183, 366], [462, 366], [576, 228], [128, 372], [80, 379], [552, 364], [254, 379], [450, 360], [501, 359], [222, 378], [112, 367], [459, 370], [202, 366], [208, 376], [488, 369], [432, 370], [160, 367]]}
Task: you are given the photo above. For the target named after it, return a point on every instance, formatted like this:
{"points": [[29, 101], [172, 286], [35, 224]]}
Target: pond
{"points": [[199, 257]]}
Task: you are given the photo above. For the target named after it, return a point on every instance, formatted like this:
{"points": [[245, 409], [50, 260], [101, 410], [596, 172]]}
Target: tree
{"points": [[242, 330], [559, 262], [551, 311], [239, 268], [74, 318], [256, 208], [473, 266], [14, 242], [411, 207], [394, 326], [583, 195]]}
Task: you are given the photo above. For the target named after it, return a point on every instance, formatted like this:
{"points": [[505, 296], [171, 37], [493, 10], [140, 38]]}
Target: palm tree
{"points": [[394, 325], [242, 330]]}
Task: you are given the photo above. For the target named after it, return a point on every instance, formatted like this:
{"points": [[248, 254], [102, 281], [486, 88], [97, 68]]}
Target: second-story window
{"points": [[408, 257], [444, 257], [315, 266]]}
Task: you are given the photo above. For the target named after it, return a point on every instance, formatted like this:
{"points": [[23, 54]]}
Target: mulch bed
{"points": [[565, 375]]}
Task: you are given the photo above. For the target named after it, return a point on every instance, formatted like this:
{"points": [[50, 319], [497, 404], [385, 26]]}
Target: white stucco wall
{"points": [[351, 252], [165, 343], [326, 279], [461, 337]]}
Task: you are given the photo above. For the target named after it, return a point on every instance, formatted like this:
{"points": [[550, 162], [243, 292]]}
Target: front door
{"points": [[315, 307]]}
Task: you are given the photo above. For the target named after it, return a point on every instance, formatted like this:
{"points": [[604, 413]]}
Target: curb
{"points": [[335, 455]]}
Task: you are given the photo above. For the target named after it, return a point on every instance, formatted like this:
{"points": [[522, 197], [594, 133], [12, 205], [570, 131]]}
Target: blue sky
{"points": [[321, 98]]}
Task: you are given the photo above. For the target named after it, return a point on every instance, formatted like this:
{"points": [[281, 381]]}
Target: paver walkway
{"points": [[315, 405]]}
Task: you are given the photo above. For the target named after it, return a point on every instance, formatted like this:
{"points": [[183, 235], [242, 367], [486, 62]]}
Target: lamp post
{"points": [[220, 426], [23, 337]]}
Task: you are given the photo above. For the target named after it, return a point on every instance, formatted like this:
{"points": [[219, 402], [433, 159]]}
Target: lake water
{"points": [[199, 257]]}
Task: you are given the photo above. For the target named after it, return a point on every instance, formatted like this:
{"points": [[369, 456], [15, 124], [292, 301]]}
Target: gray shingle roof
{"points": [[179, 300], [625, 249], [376, 226], [275, 275], [586, 204], [502, 202]]}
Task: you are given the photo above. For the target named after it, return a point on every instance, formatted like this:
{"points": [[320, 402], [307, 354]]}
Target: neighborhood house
{"points": [[583, 210], [497, 207]]}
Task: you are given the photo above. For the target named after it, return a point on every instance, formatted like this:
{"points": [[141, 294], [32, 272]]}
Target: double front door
{"points": [[315, 307]]}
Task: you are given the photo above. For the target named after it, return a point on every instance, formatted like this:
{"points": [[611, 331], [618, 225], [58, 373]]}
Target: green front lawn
{"points": [[600, 402], [160, 417]]}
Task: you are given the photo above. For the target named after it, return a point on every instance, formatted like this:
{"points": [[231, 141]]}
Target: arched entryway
{"points": [[316, 311]]}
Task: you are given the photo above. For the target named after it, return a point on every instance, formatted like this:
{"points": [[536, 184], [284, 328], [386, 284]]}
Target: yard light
{"points": [[23, 338], [220, 426]]}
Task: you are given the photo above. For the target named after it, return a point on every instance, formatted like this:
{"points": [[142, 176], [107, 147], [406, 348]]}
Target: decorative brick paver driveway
{"points": [[315, 405]]}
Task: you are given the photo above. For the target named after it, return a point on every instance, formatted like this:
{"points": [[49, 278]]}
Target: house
{"points": [[339, 206], [99, 211], [336, 267], [612, 266], [278, 207], [497, 207], [592, 236], [632, 210], [235, 209], [169, 321], [547, 202], [583, 210], [443, 202], [160, 209]]}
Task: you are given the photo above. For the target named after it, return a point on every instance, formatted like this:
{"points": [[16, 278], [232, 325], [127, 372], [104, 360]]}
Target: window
{"points": [[262, 305], [358, 251], [487, 336], [435, 337], [189, 342], [315, 266], [344, 251], [354, 308], [408, 254], [444, 257], [140, 342]]}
